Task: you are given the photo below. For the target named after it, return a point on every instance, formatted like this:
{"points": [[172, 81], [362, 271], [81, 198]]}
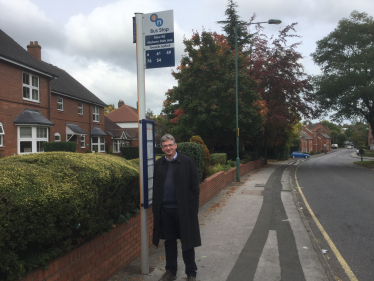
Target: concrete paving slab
{"points": [[226, 223]]}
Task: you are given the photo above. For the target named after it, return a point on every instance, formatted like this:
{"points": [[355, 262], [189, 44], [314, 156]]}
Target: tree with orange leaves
{"points": [[203, 103]]}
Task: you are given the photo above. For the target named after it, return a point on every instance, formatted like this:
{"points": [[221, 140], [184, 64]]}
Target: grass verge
{"points": [[367, 164]]}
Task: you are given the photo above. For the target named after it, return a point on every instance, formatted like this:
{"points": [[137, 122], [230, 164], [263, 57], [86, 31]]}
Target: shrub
{"points": [[158, 150], [218, 158], [53, 201], [194, 151], [312, 153], [206, 157], [111, 150], [231, 163], [60, 146], [217, 168], [130, 152]]}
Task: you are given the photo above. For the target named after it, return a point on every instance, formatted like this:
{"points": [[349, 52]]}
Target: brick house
{"points": [[126, 118], [306, 142], [318, 128], [320, 140], [40, 102], [118, 137]]}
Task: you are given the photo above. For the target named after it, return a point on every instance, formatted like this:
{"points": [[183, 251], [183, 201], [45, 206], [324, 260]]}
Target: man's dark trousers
{"points": [[171, 230]]}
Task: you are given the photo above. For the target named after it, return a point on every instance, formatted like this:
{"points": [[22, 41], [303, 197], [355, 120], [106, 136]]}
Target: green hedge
{"points": [[194, 151], [130, 152], [51, 202], [158, 150], [218, 158], [60, 146]]}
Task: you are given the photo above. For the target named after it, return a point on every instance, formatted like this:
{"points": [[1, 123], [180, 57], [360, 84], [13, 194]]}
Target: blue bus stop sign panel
{"points": [[160, 58]]}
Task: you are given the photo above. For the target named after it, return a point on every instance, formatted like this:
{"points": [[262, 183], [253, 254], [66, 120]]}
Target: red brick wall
{"points": [[12, 103], [69, 114], [107, 254]]}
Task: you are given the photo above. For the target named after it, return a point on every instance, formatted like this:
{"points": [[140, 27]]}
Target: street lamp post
{"points": [[272, 21]]}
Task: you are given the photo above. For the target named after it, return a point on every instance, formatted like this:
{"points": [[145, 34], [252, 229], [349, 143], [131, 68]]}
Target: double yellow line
{"points": [[343, 263]]}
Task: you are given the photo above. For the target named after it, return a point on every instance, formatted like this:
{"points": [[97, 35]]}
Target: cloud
{"points": [[25, 22], [105, 33]]}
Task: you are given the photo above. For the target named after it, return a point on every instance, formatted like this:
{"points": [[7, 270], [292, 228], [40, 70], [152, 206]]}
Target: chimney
{"points": [[121, 103], [35, 50]]}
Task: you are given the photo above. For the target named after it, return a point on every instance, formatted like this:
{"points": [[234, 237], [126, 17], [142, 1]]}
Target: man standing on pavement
{"points": [[175, 208]]}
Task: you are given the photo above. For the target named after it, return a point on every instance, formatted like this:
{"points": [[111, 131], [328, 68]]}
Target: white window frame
{"points": [[29, 87], [60, 103], [80, 108], [98, 142], [117, 144], [83, 141], [39, 135], [2, 133], [96, 114], [58, 135]]}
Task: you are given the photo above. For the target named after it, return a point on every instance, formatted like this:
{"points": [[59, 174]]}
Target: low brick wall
{"points": [[105, 255]]}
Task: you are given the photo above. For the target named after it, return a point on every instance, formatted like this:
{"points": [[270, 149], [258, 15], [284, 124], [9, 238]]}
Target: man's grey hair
{"points": [[167, 137]]}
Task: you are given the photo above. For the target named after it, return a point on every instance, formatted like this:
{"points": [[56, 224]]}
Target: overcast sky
{"points": [[92, 39]]}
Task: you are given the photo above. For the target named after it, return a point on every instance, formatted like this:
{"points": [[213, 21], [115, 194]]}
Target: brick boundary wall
{"points": [[107, 254]]}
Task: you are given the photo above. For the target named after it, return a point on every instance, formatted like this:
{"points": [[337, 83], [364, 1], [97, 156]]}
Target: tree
{"points": [[341, 139], [232, 19], [109, 108], [282, 83], [346, 58], [332, 126], [358, 133], [163, 126], [149, 113], [203, 103]]}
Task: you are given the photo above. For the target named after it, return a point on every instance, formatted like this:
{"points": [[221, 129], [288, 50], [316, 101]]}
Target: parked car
{"points": [[334, 146], [299, 154], [349, 146]]}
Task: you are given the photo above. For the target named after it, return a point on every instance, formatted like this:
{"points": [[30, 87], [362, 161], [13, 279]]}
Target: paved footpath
{"points": [[250, 231]]}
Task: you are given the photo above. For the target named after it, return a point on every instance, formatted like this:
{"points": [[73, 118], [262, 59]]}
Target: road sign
{"points": [[159, 39]]}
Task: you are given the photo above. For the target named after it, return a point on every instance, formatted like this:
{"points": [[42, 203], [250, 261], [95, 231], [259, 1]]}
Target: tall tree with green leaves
{"points": [[232, 19], [203, 103], [346, 58]]}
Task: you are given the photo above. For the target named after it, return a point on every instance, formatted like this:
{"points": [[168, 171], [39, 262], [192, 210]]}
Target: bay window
{"points": [[31, 139], [98, 144], [117, 144]]}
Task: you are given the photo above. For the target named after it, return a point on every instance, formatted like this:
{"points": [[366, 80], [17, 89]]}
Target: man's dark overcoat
{"points": [[186, 181]]}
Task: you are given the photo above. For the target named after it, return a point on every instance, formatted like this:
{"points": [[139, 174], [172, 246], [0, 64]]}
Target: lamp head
{"points": [[272, 21]]}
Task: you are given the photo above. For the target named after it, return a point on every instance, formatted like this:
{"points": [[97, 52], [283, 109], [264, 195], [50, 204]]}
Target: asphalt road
{"points": [[341, 195]]}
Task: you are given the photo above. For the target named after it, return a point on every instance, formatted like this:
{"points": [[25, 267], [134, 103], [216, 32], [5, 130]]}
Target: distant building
{"points": [[314, 137]]}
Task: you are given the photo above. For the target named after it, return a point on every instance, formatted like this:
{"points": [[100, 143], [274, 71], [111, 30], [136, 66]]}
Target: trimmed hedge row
{"points": [[60, 146], [194, 151], [218, 158], [132, 152], [51, 202]]}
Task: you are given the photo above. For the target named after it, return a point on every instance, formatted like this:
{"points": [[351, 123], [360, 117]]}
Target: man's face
{"points": [[169, 148]]}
